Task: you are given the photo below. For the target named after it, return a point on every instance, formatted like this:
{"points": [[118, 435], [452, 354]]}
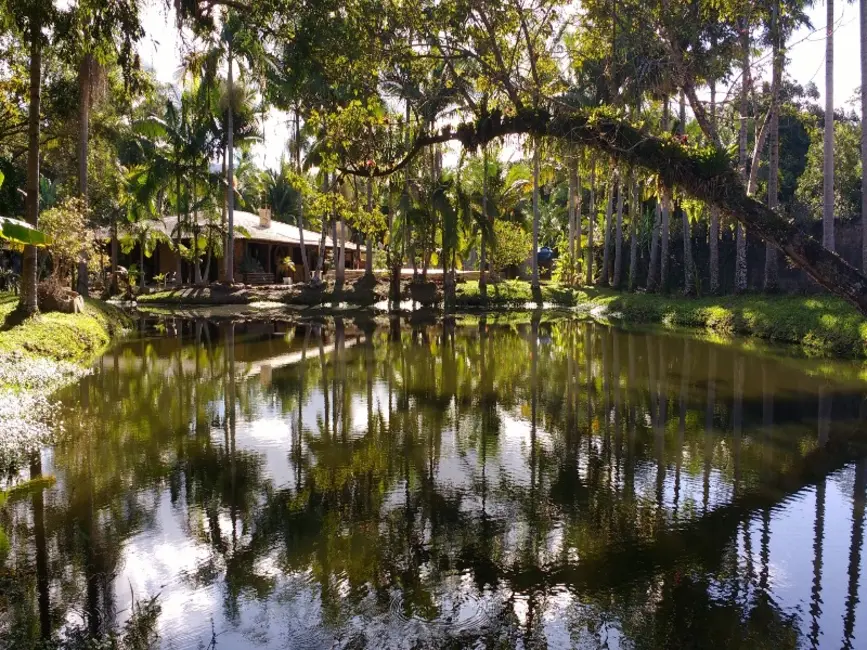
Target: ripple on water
{"points": [[460, 610]]}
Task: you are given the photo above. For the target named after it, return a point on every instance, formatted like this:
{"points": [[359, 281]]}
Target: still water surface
{"points": [[547, 484]]}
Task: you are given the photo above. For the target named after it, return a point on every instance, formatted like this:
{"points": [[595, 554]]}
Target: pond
{"points": [[538, 483]]}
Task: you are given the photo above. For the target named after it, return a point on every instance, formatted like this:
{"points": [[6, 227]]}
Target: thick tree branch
{"points": [[705, 174]]}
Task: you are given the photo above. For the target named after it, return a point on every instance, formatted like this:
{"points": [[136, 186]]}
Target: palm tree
{"points": [[535, 251], [741, 236], [863, 16], [828, 175], [774, 126]]}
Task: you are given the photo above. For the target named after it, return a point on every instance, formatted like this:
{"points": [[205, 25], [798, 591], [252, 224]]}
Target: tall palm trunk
{"points": [[591, 222], [741, 235], [368, 261], [863, 16], [535, 251], [320, 258], [305, 263], [713, 236], [85, 85], [618, 236], [115, 252], [688, 277], [653, 268], [230, 174], [570, 211], [774, 156], [179, 234], [828, 174], [665, 228], [197, 269], [605, 276], [634, 212], [483, 252], [28, 300]]}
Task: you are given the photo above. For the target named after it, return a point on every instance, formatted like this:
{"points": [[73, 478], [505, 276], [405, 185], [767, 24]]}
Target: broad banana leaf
{"points": [[22, 233]]}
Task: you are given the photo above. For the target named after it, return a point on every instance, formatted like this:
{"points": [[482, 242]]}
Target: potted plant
{"points": [[287, 268]]}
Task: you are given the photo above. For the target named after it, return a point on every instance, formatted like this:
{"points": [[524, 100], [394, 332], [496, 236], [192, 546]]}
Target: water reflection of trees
{"points": [[543, 467]]}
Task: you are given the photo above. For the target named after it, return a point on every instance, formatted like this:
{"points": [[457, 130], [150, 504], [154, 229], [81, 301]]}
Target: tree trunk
{"points": [[653, 268], [320, 258], [579, 206], [741, 235], [591, 219], [713, 235], [368, 262], [305, 263], [665, 227], [618, 236], [28, 301], [230, 175], [605, 276], [828, 175], [113, 286], [771, 274], [84, 89], [197, 269], [863, 16], [483, 260], [688, 277], [570, 211], [179, 280], [634, 212], [535, 252], [141, 259]]}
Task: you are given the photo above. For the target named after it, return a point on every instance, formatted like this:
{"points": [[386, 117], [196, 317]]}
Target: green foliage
{"points": [[512, 245], [67, 227], [567, 271], [847, 173]]}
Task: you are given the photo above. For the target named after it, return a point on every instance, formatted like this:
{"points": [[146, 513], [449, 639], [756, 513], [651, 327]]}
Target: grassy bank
{"points": [[817, 323], [37, 357], [61, 337]]}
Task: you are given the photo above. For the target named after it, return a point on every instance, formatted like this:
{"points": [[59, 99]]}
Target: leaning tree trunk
{"points": [[28, 300], [863, 17], [535, 253], [634, 212], [618, 235], [84, 90], [771, 275], [709, 180], [828, 173], [605, 276], [741, 235]]}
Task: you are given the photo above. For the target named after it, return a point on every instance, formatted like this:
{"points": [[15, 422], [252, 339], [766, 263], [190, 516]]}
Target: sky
{"points": [[160, 50]]}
